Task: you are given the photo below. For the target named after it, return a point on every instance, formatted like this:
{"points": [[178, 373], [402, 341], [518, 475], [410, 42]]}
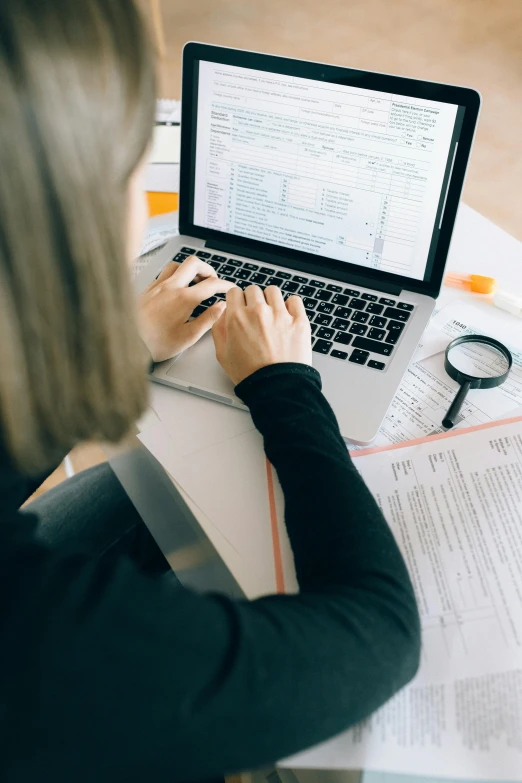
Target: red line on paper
{"points": [[439, 436], [274, 524]]}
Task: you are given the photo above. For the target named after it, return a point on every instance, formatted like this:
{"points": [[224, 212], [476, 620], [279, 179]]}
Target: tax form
{"points": [[454, 505], [427, 391], [341, 171]]}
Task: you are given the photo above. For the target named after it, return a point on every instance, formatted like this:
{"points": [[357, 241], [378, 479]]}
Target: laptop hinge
{"points": [[305, 266]]}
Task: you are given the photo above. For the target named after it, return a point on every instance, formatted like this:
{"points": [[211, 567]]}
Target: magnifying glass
{"points": [[475, 362]]}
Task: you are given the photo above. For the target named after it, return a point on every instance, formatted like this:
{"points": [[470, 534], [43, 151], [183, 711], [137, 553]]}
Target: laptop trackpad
{"points": [[199, 367]]}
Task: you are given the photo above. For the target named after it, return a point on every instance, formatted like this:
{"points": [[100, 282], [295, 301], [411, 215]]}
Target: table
{"points": [[478, 247]]}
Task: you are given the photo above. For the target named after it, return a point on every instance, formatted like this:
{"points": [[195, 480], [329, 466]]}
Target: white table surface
{"points": [[480, 247]]}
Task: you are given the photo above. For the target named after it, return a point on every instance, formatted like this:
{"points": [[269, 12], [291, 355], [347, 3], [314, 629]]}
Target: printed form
{"points": [[347, 173], [426, 390], [454, 504]]}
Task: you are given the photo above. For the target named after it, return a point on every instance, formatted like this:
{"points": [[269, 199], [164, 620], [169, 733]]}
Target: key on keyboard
{"points": [[325, 332], [322, 346], [325, 307], [393, 337], [359, 317], [324, 320], [399, 315], [306, 290], [373, 346], [226, 270], [359, 357], [323, 296]]}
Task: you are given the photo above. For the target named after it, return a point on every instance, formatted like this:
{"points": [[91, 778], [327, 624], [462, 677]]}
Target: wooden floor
{"points": [[471, 42]]}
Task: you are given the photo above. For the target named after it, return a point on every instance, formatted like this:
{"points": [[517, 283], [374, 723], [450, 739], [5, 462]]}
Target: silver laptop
{"points": [[338, 185]]}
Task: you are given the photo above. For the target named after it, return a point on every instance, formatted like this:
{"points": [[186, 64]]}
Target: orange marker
{"points": [[479, 284]]}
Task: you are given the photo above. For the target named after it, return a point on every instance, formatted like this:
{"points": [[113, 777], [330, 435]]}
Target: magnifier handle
{"points": [[449, 420]]}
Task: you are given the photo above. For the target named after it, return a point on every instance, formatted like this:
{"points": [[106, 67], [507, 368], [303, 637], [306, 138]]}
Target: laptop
{"points": [[338, 185]]}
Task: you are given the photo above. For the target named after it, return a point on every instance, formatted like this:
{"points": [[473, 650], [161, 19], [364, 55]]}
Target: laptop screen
{"points": [[345, 173]]}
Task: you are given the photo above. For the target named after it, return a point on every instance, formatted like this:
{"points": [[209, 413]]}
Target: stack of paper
{"points": [[162, 172], [454, 504]]}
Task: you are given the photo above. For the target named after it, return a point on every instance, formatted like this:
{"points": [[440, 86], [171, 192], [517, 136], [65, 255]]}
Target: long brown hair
{"points": [[77, 93]]}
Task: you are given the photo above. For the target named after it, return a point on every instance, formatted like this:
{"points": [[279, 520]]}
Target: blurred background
{"points": [[477, 43]]}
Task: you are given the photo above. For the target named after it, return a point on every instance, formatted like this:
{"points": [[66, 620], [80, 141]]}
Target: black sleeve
{"points": [[109, 670]]}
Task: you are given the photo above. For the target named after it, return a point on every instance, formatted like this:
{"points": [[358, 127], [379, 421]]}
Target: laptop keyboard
{"points": [[347, 324]]}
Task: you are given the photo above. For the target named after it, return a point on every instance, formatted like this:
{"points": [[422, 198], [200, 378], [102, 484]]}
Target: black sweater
{"points": [[110, 675]]}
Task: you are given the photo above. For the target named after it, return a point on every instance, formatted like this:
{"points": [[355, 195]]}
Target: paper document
{"points": [[454, 504], [426, 391], [219, 462], [165, 144], [386, 777], [168, 110], [159, 230], [162, 178]]}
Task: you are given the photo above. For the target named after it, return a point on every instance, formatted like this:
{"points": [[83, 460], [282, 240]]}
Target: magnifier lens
{"points": [[478, 360]]}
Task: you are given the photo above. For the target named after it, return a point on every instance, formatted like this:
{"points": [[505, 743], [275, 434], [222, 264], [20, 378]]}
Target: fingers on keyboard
{"points": [[340, 317]]}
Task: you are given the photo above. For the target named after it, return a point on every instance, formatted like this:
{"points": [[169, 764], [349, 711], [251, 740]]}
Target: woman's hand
{"points": [[260, 329], [167, 304]]}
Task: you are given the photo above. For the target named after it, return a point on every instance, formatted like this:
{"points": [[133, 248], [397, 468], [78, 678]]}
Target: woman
{"points": [[110, 670]]}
